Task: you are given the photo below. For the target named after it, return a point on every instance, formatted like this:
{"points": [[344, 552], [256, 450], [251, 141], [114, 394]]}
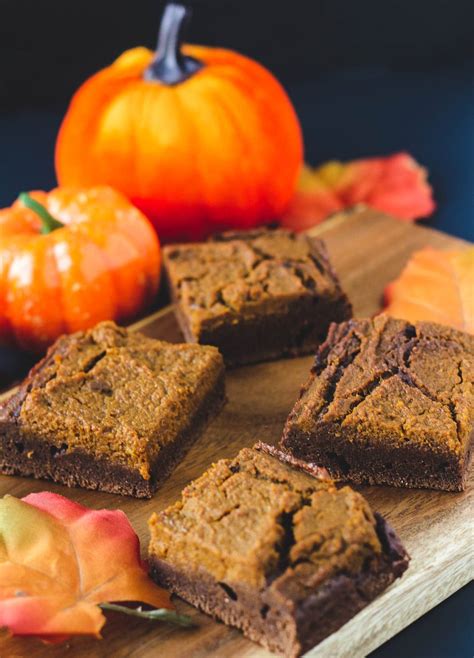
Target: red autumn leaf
{"points": [[437, 286], [395, 185], [59, 561]]}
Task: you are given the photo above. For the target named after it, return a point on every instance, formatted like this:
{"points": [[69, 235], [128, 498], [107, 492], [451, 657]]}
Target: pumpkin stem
{"points": [[48, 223], [170, 66]]}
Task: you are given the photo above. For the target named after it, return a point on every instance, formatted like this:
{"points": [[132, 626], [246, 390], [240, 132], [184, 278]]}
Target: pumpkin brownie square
{"points": [[388, 402], [284, 556], [256, 295], [110, 409]]}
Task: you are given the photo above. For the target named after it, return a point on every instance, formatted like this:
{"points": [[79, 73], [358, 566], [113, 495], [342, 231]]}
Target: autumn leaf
{"points": [[59, 561], [395, 185], [437, 286]]}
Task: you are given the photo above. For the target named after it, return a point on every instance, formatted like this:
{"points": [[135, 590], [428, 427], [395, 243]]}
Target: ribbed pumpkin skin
{"points": [[103, 264], [220, 149]]}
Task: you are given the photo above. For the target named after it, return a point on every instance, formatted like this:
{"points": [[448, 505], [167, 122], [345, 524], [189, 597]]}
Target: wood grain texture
{"points": [[368, 250]]}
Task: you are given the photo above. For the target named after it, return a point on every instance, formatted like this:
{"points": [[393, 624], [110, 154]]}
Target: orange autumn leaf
{"points": [[437, 286], [395, 185], [59, 561]]}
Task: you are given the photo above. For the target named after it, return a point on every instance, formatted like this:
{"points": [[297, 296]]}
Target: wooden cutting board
{"points": [[368, 250]]}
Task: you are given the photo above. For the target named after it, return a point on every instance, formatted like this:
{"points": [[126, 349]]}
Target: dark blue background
{"points": [[367, 78]]}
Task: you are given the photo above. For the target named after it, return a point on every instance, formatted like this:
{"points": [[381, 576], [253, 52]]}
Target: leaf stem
{"points": [[158, 614], [48, 222]]}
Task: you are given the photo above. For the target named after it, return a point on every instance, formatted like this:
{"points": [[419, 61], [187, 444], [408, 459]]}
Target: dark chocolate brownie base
{"points": [[405, 466], [275, 624], [266, 338], [30, 458]]}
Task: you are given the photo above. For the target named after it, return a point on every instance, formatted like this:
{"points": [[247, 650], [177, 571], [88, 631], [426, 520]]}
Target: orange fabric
{"points": [[395, 184], [436, 286], [64, 560]]}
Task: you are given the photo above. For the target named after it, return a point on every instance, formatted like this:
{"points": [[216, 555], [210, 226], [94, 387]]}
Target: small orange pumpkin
{"points": [[198, 139], [69, 259]]}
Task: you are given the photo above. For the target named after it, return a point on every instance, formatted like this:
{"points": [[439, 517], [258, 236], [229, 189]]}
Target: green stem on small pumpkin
{"points": [[48, 223], [169, 66], [158, 614]]}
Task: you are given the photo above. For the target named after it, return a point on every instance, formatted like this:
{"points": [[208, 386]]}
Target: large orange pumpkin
{"points": [[199, 138], [69, 259]]}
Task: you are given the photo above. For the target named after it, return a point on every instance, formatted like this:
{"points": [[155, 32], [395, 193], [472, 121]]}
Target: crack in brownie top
{"points": [[410, 381], [253, 520], [236, 271], [114, 393]]}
